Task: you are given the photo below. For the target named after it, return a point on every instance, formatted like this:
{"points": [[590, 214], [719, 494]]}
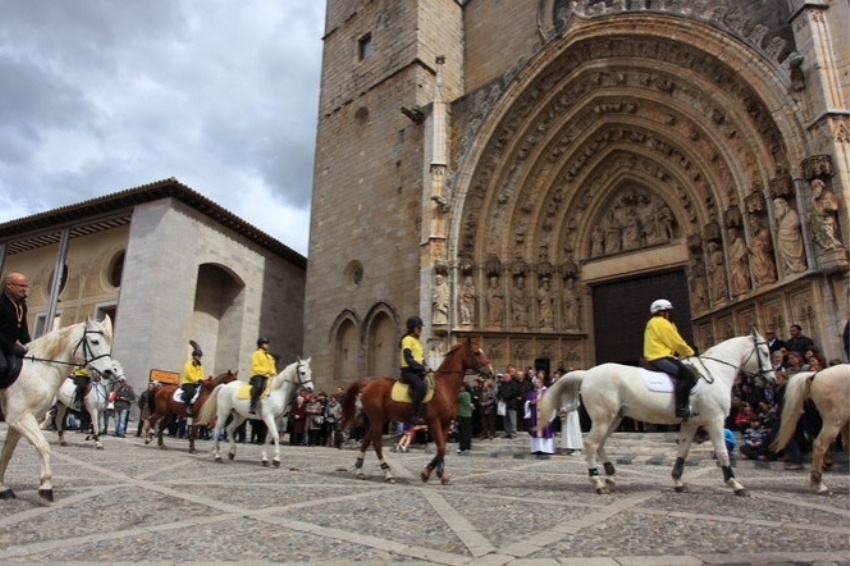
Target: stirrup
{"points": [[686, 412]]}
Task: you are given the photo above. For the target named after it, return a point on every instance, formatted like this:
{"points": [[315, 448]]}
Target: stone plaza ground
{"points": [[136, 503]]}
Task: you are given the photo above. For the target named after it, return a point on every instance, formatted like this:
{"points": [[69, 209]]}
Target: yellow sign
{"points": [[163, 376]]}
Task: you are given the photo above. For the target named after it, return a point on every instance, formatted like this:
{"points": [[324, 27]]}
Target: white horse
{"points": [[226, 398], [95, 402], [44, 369], [610, 392], [829, 389]]}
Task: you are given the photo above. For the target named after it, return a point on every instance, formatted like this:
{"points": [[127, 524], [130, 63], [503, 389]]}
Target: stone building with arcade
{"points": [[533, 173]]}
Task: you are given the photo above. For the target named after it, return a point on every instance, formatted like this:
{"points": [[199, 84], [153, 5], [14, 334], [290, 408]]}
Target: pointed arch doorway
{"points": [[621, 309]]}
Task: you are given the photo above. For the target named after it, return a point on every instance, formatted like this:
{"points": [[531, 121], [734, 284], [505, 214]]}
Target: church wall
{"points": [[513, 25]]}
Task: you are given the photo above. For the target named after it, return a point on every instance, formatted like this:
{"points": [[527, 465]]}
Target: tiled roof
{"points": [[116, 209]]}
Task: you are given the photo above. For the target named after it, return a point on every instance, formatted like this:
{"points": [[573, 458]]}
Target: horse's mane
{"points": [[288, 371], [53, 344]]}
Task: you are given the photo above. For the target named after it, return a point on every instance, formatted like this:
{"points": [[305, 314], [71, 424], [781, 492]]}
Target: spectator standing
{"points": [[792, 451], [464, 420], [315, 418], [571, 441], [298, 414], [145, 400], [774, 344], [798, 342], [510, 393], [124, 397], [333, 412], [488, 411], [542, 441]]}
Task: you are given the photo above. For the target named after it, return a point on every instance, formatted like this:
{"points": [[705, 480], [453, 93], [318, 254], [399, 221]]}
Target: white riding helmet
{"points": [[660, 305]]}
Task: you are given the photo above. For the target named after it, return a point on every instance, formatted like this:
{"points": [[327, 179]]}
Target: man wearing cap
{"points": [[192, 376], [124, 397], [262, 368]]}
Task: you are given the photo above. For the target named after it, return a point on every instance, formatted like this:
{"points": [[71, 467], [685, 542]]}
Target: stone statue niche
{"points": [[634, 219]]}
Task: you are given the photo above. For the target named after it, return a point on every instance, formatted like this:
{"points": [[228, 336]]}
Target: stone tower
{"points": [[532, 173]]}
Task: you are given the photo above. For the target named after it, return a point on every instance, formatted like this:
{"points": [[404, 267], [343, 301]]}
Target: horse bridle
{"points": [[761, 371], [298, 372]]}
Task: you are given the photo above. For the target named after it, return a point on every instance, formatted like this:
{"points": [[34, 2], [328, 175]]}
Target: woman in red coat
{"points": [[298, 414]]}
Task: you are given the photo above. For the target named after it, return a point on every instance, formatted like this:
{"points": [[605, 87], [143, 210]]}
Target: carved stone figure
{"points": [[699, 285], [789, 240], [495, 302], [717, 269], [571, 304], [544, 303], [597, 242], [612, 236], [519, 303], [824, 210], [631, 234], [739, 263], [440, 301], [467, 301], [762, 262]]}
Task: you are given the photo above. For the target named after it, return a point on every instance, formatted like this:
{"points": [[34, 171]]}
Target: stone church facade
{"points": [[533, 173]]}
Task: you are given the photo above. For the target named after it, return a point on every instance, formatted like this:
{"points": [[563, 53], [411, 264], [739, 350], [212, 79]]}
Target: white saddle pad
{"points": [[660, 382], [178, 395]]}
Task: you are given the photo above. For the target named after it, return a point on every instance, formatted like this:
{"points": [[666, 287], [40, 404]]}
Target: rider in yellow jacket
{"points": [[191, 378], [413, 366], [662, 345], [262, 368]]}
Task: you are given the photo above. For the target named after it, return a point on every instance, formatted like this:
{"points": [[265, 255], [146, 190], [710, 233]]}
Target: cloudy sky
{"points": [[99, 96]]}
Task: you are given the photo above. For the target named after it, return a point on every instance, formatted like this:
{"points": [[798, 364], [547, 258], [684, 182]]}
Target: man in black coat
{"points": [[14, 331], [798, 342]]}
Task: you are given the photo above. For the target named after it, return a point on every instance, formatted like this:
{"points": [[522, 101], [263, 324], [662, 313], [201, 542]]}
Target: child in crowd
{"points": [[407, 437], [754, 445]]}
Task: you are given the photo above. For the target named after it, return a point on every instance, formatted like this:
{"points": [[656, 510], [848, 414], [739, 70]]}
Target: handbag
{"points": [[318, 420], [502, 409]]}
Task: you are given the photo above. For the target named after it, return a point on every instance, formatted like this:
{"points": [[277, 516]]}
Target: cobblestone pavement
{"points": [[132, 502]]}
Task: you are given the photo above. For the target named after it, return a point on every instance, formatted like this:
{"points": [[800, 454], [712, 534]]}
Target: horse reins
{"points": [[761, 371]]}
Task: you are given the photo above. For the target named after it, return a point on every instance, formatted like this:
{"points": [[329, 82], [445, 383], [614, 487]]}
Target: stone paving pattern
{"points": [[132, 502]]}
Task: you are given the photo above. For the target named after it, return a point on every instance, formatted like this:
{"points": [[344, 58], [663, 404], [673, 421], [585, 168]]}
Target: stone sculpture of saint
{"points": [[495, 302], [699, 285], [597, 242], [631, 234], [717, 270], [739, 263], [762, 263], [789, 240], [544, 304], [440, 301], [571, 303], [519, 303], [824, 210], [467, 301]]}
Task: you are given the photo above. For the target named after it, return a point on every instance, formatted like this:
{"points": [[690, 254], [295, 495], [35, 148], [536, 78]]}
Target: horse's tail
{"points": [[563, 392], [349, 402], [796, 392], [208, 409]]}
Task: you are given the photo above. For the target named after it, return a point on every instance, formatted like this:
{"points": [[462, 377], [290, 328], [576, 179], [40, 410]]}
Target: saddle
{"points": [[244, 391], [401, 391], [178, 395], [13, 365]]}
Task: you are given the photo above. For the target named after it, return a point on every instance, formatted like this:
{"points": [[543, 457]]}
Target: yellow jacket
{"points": [[192, 373], [262, 363], [661, 339]]}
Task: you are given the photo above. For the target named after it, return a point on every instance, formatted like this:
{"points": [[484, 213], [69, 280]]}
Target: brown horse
{"points": [[379, 407], [162, 406], [829, 389]]}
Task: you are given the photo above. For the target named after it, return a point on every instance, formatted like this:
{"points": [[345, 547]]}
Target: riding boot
{"points": [[253, 409], [683, 406], [415, 409]]}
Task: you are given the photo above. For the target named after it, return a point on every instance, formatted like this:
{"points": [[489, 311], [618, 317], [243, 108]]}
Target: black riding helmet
{"points": [[262, 340], [413, 322]]}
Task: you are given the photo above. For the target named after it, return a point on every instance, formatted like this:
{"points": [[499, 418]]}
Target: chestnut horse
{"points": [[162, 406], [829, 389], [379, 407]]}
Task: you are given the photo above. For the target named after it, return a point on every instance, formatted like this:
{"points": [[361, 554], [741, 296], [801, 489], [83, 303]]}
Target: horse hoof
{"points": [[63, 443], [147, 441], [445, 481], [602, 491], [46, 495], [99, 446], [219, 460], [7, 494], [231, 456], [265, 463], [192, 451], [424, 477], [361, 477], [390, 480], [276, 463], [742, 492], [680, 489]]}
